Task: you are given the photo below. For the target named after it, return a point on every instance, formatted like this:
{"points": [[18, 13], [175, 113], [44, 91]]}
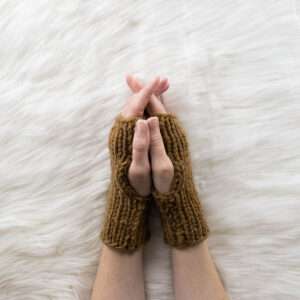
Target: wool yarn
{"points": [[125, 221], [181, 213]]}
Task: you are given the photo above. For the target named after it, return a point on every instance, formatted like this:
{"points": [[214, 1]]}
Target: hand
{"points": [[147, 137], [139, 173], [137, 103], [155, 105]]}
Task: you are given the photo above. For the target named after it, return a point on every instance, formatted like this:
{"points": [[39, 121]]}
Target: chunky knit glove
{"points": [[181, 214], [125, 221]]}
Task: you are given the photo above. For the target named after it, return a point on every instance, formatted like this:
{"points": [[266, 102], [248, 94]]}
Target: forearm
{"points": [[195, 275], [119, 276]]}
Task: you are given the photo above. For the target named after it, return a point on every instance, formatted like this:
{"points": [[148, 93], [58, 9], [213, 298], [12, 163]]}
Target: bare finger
{"points": [[134, 84], [156, 106], [144, 95]]}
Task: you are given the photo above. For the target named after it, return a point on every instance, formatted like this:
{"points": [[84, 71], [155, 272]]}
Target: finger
{"points": [[167, 86], [161, 98], [136, 85], [140, 146], [143, 97], [156, 106], [157, 148], [163, 86], [133, 83]]}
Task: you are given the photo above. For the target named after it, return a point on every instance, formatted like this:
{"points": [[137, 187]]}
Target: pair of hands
{"points": [[150, 162]]}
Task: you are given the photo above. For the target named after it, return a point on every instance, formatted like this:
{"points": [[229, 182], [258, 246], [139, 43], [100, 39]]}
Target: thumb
{"points": [[140, 145], [157, 148]]}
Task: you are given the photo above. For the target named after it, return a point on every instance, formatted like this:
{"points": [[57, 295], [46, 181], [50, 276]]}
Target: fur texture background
{"points": [[234, 69]]}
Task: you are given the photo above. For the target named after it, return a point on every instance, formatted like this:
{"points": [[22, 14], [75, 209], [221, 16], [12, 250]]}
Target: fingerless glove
{"points": [[181, 214], [125, 221]]}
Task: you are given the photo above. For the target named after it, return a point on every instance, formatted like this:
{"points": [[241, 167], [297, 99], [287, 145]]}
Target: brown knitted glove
{"points": [[125, 221], [181, 214]]}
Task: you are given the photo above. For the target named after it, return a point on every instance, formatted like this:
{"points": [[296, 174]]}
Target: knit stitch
{"points": [[125, 221], [182, 217]]}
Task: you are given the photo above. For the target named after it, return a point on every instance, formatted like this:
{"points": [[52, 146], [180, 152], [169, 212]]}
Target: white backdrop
{"points": [[234, 69]]}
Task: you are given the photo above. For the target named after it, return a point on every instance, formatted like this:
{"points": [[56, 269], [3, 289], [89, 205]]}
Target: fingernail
{"points": [[153, 121], [139, 127]]}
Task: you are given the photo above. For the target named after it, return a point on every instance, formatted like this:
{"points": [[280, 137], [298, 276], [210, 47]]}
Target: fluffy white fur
{"points": [[234, 69]]}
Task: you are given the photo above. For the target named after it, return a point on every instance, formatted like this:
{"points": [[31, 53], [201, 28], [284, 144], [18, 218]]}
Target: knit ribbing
{"points": [[125, 221], [182, 217]]}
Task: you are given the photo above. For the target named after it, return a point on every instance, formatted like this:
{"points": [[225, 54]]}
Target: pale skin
{"points": [[120, 274]]}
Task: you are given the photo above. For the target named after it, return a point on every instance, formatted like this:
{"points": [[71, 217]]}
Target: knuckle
{"points": [[165, 169], [139, 172], [140, 145]]}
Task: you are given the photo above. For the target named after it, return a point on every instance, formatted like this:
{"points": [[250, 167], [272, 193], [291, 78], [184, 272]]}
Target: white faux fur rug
{"points": [[234, 69]]}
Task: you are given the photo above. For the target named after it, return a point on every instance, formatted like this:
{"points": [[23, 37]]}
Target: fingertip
{"points": [[156, 81], [153, 123], [163, 86], [128, 77], [138, 79], [140, 123], [164, 81], [152, 119], [141, 128]]}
